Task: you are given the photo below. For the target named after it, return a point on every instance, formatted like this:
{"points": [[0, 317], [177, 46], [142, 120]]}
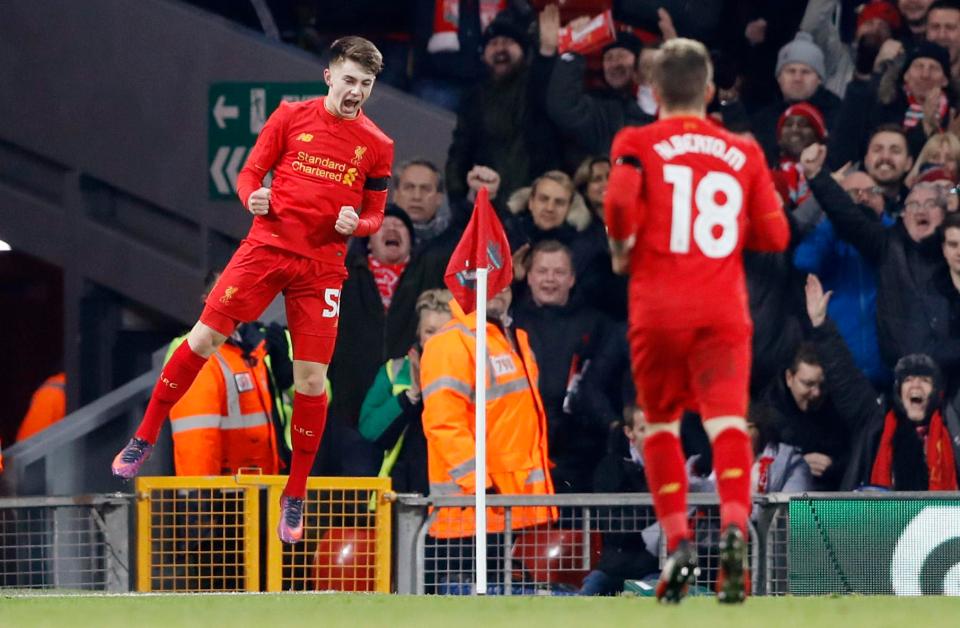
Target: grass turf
{"points": [[383, 611]]}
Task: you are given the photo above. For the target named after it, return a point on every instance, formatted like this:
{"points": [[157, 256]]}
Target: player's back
{"points": [[705, 194]]}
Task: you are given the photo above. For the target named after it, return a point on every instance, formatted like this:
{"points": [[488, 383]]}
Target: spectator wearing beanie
{"points": [[911, 446], [591, 119], [501, 123], [877, 21], [943, 28], [799, 126], [800, 73], [915, 94]]}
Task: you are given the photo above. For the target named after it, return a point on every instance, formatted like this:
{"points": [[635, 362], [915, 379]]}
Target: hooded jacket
{"points": [[858, 406]]}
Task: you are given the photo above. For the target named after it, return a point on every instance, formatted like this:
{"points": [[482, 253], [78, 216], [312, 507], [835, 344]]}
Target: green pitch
{"points": [[382, 611]]}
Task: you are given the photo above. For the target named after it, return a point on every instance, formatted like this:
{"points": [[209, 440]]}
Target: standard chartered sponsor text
{"points": [[323, 168]]}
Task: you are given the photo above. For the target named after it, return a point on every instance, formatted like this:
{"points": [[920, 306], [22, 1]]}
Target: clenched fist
{"points": [[258, 203], [347, 221]]}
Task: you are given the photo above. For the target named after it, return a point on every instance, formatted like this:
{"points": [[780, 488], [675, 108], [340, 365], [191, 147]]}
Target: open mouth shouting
{"points": [[916, 404], [349, 105]]}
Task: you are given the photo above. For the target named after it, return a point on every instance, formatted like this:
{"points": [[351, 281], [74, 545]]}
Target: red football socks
{"points": [[309, 419], [667, 477], [175, 379], [732, 462]]}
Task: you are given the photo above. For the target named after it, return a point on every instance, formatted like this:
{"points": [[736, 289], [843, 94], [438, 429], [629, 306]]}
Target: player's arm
{"points": [[767, 227], [623, 190], [261, 160], [374, 200], [373, 204]]}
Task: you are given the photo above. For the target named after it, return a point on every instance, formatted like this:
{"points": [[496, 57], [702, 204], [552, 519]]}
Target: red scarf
{"points": [[386, 276], [914, 113], [446, 21], [763, 472], [791, 178], [943, 475]]}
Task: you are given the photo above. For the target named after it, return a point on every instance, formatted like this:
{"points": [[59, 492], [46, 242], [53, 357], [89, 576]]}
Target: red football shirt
{"points": [[704, 195], [320, 162]]}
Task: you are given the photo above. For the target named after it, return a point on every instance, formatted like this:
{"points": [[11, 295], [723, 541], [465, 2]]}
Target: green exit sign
{"points": [[235, 114]]}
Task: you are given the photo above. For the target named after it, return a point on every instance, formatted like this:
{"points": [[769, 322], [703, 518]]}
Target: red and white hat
{"points": [[880, 10], [809, 112]]}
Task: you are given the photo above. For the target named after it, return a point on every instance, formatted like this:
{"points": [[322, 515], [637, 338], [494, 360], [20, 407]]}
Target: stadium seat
{"points": [[344, 560], [554, 556]]}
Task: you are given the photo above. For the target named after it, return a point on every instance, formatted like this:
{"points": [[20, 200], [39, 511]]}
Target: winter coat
{"points": [[499, 125], [586, 238], [764, 121], [393, 422], [565, 340], [853, 282], [589, 120], [369, 334], [814, 431], [904, 269], [859, 407]]}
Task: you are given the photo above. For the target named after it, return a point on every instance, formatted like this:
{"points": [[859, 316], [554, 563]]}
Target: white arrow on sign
{"points": [[233, 165], [226, 167], [216, 170], [222, 111]]}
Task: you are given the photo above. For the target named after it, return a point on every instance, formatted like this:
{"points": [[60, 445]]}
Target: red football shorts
{"points": [[705, 369], [311, 290]]}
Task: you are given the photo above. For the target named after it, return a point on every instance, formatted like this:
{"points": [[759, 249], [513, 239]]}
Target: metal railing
{"points": [[219, 534], [548, 559], [65, 543]]}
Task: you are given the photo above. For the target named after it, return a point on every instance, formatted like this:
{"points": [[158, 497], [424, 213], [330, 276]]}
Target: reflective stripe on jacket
{"points": [[223, 421], [517, 460]]}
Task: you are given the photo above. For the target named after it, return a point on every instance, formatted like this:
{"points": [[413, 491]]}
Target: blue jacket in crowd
{"points": [[853, 306]]}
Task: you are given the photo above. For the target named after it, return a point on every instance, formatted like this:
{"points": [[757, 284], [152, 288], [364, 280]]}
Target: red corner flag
{"points": [[483, 245]]}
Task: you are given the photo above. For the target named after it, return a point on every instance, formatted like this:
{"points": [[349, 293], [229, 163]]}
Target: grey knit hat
{"points": [[802, 50]]}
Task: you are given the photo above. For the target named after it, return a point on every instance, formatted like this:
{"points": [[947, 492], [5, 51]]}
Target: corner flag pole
{"points": [[480, 432]]}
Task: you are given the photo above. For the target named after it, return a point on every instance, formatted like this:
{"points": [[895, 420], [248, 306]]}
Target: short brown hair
{"points": [[950, 221], [359, 50], [550, 246], [681, 72], [890, 127]]}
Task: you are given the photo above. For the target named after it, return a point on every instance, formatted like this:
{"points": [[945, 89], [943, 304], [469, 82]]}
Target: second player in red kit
{"points": [[685, 198], [331, 168]]}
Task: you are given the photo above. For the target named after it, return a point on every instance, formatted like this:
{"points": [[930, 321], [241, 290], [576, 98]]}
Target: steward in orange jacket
{"points": [[47, 406], [517, 460], [223, 422]]}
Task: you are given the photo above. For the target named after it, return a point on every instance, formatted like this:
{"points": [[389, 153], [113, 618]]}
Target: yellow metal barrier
{"points": [[204, 534]]}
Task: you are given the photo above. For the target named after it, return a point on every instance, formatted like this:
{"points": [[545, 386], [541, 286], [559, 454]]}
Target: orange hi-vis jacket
{"points": [[223, 422], [517, 460], [47, 406]]}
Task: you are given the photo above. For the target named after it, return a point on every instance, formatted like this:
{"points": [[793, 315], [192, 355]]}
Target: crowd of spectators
{"points": [[856, 348], [855, 113]]}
